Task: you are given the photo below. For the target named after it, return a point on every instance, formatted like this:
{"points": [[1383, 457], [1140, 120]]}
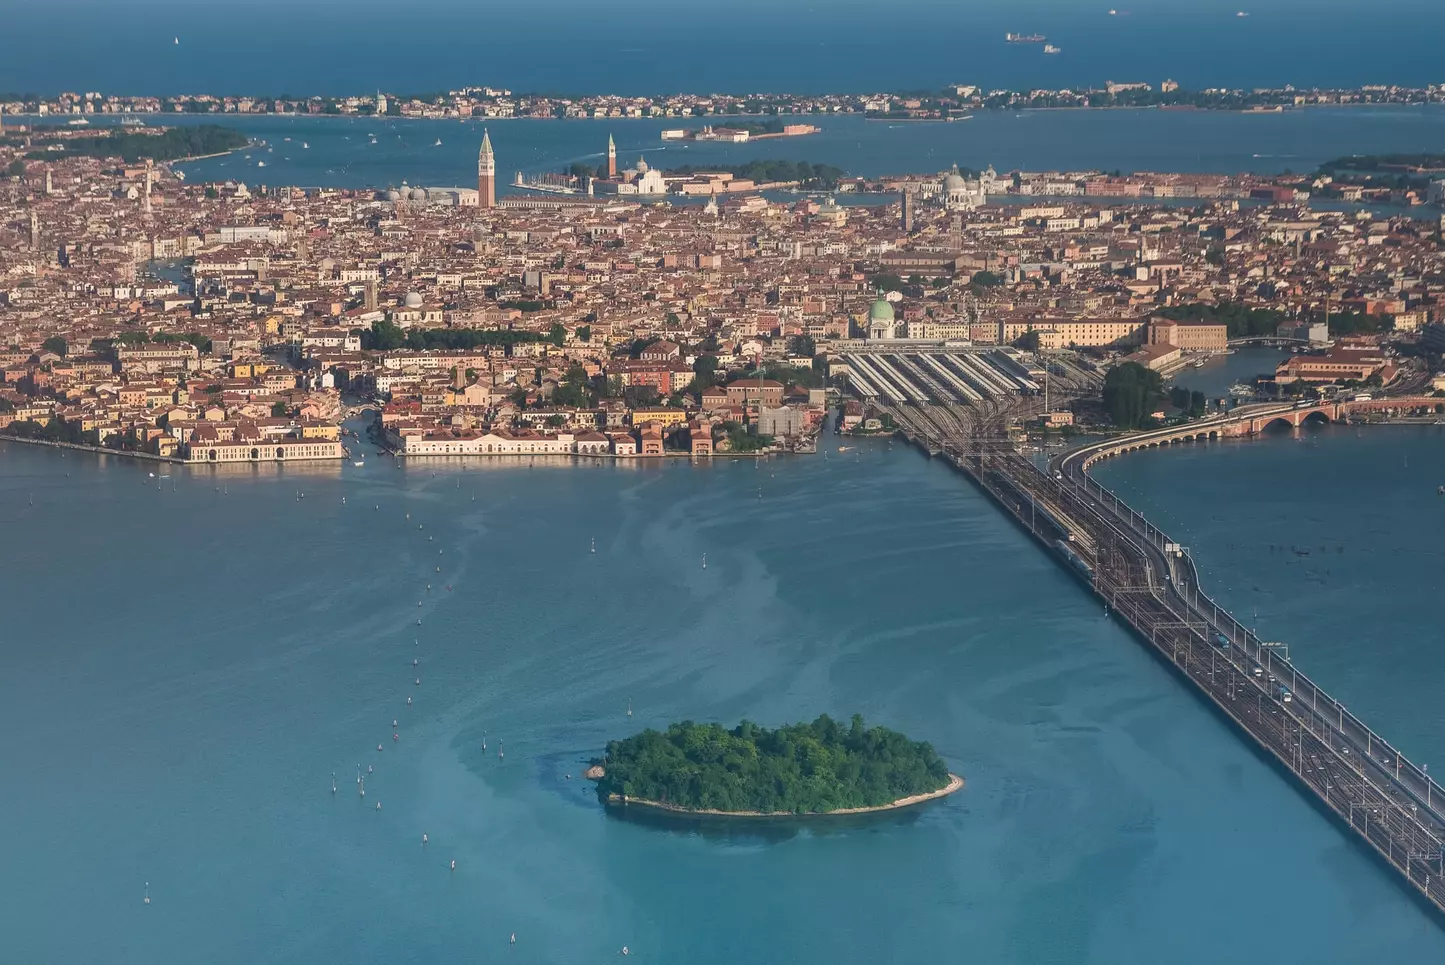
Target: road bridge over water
{"points": [[1151, 582]]}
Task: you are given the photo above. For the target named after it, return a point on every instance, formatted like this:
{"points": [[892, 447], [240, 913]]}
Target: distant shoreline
{"points": [[955, 783], [101, 450], [155, 119]]}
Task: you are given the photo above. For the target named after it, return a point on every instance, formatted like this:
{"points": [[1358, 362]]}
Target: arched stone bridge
{"points": [[1253, 420]]}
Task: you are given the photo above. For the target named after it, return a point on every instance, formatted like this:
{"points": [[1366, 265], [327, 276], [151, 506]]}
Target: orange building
{"points": [[701, 438], [1189, 336], [651, 438]]}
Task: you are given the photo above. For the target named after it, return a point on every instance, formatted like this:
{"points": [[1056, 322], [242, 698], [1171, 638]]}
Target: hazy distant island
{"points": [[168, 144], [750, 771]]}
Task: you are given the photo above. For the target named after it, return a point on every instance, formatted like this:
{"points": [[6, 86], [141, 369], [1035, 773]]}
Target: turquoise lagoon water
{"points": [[185, 668], [341, 154], [1328, 539]]}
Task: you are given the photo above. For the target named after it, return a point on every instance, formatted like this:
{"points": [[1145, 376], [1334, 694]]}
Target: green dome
{"points": [[880, 311]]}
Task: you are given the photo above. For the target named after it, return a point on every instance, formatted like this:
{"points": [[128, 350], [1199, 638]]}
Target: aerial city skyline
{"points": [[958, 506]]}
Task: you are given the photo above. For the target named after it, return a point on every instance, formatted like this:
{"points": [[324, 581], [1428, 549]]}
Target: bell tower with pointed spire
{"points": [[486, 174], [611, 157]]}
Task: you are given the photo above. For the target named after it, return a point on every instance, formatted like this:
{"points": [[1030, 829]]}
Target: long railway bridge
{"points": [[1150, 582]]}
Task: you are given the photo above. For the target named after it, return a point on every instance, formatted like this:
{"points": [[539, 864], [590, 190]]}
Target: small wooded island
{"points": [[818, 768]]}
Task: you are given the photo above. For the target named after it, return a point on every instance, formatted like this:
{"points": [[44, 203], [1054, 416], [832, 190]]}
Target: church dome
{"points": [[880, 311], [412, 300], [418, 194], [641, 166], [954, 182], [392, 195]]}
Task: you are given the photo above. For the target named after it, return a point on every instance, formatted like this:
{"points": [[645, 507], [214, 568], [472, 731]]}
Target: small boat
{"points": [[305, 146], [358, 463], [438, 143], [844, 448]]}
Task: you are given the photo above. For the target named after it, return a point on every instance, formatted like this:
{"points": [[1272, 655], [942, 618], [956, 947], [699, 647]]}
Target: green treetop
{"points": [[798, 768]]}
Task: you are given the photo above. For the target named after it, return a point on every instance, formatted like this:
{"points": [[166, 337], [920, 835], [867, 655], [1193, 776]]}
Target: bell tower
{"points": [[611, 157], [486, 174]]}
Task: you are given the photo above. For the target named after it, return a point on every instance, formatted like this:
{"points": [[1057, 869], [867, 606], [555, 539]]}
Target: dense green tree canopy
{"points": [[802, 346], [1240, 320], [169, 145], [575, 390], [1191, 403], [1243, 321], [1131, 394], [798, 768]]}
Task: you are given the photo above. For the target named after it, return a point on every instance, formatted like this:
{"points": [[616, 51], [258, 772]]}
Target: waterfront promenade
{"points": [[1151, 582]]}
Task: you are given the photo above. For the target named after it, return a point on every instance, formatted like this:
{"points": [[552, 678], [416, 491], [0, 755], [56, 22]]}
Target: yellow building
{"points": [[1077, 331], [248, 369], [320, 430], [663, 416]]}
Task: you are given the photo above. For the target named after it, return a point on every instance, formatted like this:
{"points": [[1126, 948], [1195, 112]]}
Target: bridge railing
{"points": [[1429, 794], [1397, 820]]}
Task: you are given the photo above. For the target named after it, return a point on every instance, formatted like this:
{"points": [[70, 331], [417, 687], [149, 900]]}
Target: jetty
{"points": [[955, 784]]}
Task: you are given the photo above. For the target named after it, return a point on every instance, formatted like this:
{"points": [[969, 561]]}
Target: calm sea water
{"points": [[651, 46], [185, 668], [1217, 374], [341, 153], [1327, 539]]}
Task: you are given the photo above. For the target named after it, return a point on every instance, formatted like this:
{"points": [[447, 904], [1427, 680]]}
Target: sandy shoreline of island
{"points": [[955, 783]]}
